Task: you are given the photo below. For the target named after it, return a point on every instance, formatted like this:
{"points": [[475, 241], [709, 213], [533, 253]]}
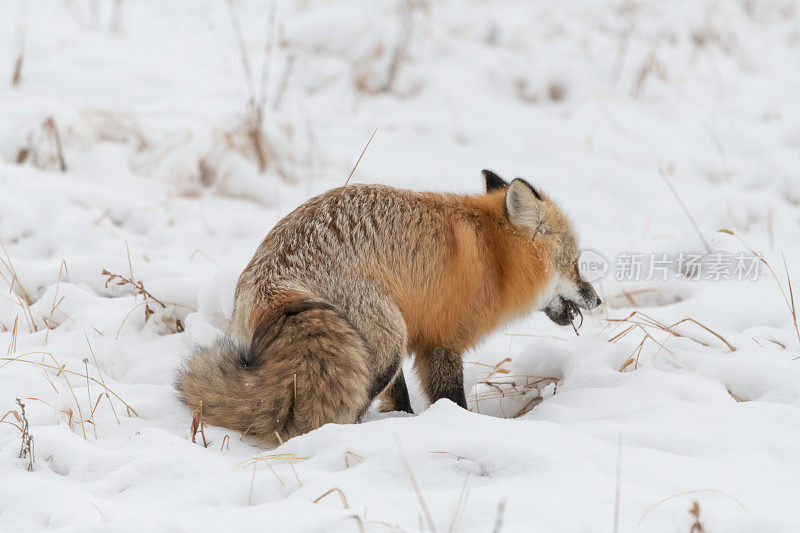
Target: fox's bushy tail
{"points": [[219, 378], [305, 366]]}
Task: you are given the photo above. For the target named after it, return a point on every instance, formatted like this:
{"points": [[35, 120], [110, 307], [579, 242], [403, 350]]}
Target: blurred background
{"points": [[271, 102]]}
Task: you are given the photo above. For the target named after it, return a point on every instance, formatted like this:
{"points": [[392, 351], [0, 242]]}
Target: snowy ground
{"points": [[585, 99]]}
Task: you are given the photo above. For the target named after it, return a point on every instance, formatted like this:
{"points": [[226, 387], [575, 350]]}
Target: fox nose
{"points": [[599, 301]]}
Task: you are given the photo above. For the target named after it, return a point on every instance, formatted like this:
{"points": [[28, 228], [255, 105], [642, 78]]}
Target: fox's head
{"points": [[550, 232]]}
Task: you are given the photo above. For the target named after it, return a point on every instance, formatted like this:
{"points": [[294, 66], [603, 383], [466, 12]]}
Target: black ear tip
{"points": [[493, 181], [529, 186]]}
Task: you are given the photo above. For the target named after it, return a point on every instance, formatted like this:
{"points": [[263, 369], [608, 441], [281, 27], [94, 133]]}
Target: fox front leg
{"points": [[442, 375]]}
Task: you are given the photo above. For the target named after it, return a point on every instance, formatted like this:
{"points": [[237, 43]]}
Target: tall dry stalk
{"points": [[401, 44], [257, 98], [694, 510], [685, 209], [49, 126], [420, 498], [618, 491], [16, 71], [787, 297], [11, 278], [360, 156], [26, 447]]}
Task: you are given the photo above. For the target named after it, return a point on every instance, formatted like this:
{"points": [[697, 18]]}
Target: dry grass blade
{"points": [[256, 101], [97, 402], [266, 66], [360, 522], [127, 316], [651, 66], [695, 491], [685, 209], [401, 45], [12, 346], [25, 299], [198, 425], [789, 299], [140, 290], [498, 519], [16, 416], [291, 464], [100, 374], [498, 368], [628, 295], [460, 504], [507, 386], [533, 402], [252, 485], [623, 333], [288, 457], [739, 399], [269, 457], [694, 510], [49, 322], [711, 129], [458, 457], [414, 484], [637, 318], [341, 497], [359, 157], [198, 251], [137, 285], [16, 71], [48, 404], [61, 370], [89, 394], [243, 56], [274, 473], [487, 365], [354, 455], [283, 85], [618, 491], [49, 125], [294, 471], [26, 448], [731, 347]]}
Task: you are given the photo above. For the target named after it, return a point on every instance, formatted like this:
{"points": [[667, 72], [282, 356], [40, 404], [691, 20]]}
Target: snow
{"points": [[585, 99]]}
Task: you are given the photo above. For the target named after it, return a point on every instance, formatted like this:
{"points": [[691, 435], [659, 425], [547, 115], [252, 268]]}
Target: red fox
{"points": [[353, 280]]}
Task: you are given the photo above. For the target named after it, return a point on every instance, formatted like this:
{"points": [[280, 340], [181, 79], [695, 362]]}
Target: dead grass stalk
{"points": [[787, 297], [198, 425], [685, 209], [338, 491], [637, 318], [26, 447], [415, 485], [16, 71], [360, 156]]}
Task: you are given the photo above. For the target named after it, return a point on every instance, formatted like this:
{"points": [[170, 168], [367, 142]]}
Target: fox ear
{"points": [[524, 205], [493, 181]]}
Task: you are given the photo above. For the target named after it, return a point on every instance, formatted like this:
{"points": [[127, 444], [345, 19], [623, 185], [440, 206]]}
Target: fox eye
{"points": [[542, 231]]}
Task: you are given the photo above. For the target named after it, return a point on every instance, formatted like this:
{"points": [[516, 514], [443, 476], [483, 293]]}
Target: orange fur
{"points": [[345, 286], [487, 274]]}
